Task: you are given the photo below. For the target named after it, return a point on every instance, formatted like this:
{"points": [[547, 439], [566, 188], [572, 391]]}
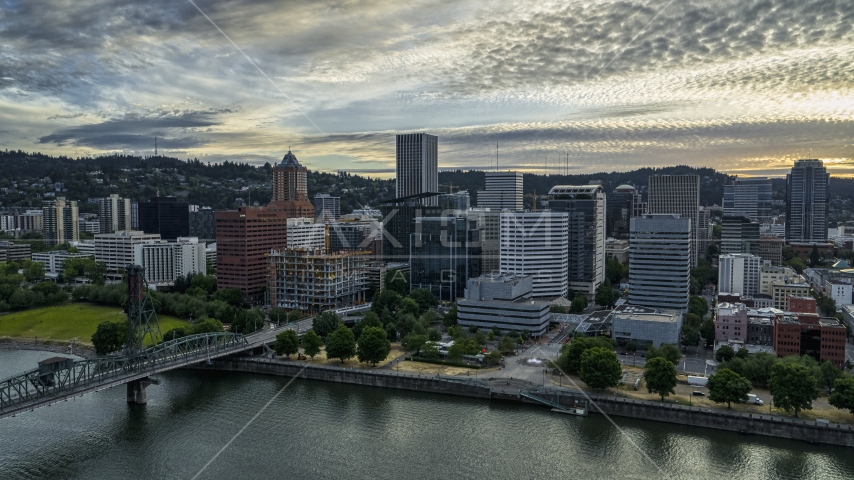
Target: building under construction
{"points": [[313, 280]]}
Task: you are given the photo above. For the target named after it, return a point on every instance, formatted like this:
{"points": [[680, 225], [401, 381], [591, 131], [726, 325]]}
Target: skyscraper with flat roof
{"points": [[585, 209], [417, 166], [502, 190], [60, 221], [806, 202], [748, 197], [678, 194], [536, 244], [659, 261], [114, 214]]}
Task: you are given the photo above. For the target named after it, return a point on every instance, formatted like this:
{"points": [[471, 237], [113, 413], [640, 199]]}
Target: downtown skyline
{"points": [[744, 87]]}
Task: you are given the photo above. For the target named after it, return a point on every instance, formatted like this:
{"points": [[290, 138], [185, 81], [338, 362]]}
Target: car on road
{"points": [[698, 394]]}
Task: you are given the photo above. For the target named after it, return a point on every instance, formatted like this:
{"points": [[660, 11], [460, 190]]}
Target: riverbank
{"points": [[42, 345], [743, 423]]}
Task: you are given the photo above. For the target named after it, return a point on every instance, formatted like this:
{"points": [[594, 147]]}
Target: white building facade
{"points": [[535, 244]]}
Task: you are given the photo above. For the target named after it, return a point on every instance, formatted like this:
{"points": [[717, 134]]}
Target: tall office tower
{"points": [[739, 235], [398, 223], [166, 216], [806, 202], [678, 194], [659, 261], [445, 253], [620, 209], [114, 214], [455, 201], [739, 273], [536, 244], [244, 239], [502, 190], [326, 207], [585, 209], [704, 231], [60, 221], [748, 197], [290, 188], [203, 223], [638, 205], [417, 169], [490, 222]]}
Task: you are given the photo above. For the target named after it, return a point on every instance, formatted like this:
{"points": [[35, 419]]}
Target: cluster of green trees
{"points": [[693, 326], [606, 295], [111, 336], [16, 292], [86, 268], [593, 359], [615, 271], [370, 346], [794, 381], [702, 275]]}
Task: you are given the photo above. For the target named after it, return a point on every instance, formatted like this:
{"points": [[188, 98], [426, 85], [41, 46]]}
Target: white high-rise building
{"points": [[166, 261], [116, 249], [417, 166], [503, 190], [679, 194], [659, 261], [536, 244], [114, 214], [306, 233], [739, 273]]}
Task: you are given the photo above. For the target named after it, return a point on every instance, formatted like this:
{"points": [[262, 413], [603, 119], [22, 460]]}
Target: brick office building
{"points": [[809, 334]]}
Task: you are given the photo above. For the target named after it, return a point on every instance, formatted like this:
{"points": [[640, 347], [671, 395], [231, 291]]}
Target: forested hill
{"points": [[26, 177]]}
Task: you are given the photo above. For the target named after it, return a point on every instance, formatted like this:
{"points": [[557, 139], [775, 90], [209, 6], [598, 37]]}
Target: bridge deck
{"points": [[35, 389]]}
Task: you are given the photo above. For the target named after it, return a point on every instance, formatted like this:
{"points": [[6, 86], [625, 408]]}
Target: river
{"points": [[334, 431]]}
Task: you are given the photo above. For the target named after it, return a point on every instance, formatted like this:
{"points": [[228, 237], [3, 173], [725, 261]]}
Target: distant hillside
{"points": [[26, 177]]}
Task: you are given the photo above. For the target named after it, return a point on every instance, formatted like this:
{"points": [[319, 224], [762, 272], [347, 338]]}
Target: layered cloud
{"points": [[745, 86]]}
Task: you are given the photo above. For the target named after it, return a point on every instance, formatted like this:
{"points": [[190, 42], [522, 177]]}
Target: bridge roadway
{"points": [[35, 389]]}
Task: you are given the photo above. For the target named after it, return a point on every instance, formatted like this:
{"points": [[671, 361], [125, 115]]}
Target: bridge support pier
{"points": [[136, 390]]}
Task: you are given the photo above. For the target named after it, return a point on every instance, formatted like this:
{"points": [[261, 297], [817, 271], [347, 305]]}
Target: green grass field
{"points": [[75, 320]]}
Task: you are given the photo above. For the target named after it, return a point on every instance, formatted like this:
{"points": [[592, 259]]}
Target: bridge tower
{"points": [[143, 329]]}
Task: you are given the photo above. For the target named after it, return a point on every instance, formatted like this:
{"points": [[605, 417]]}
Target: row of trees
{"points": [[373, 345], [111, 336]]}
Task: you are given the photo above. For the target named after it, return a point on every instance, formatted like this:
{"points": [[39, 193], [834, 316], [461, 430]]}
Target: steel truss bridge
{"points": [[37, 388]]}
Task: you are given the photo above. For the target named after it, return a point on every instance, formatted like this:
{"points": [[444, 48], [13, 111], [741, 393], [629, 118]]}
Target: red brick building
{"points": [[809, 334], [244, 237], [798, 304]]}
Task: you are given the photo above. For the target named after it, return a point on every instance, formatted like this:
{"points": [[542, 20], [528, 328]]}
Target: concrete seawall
{"points": [[744, 423], [421, 383]]}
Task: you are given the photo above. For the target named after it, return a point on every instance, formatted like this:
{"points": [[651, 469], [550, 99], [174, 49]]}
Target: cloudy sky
{"points": [[743, 86]]}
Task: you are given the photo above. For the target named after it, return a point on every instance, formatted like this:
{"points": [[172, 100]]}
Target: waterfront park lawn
{"points": [[68, 321]]}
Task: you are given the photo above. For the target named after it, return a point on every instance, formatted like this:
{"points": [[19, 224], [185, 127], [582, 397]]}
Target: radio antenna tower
{"points": [[155, 146]]}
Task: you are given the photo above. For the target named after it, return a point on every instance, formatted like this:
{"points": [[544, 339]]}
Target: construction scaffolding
{"points": [[313, 280]]}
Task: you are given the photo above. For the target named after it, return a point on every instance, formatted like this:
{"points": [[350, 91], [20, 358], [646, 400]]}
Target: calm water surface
{"points": [[331, 431]]}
